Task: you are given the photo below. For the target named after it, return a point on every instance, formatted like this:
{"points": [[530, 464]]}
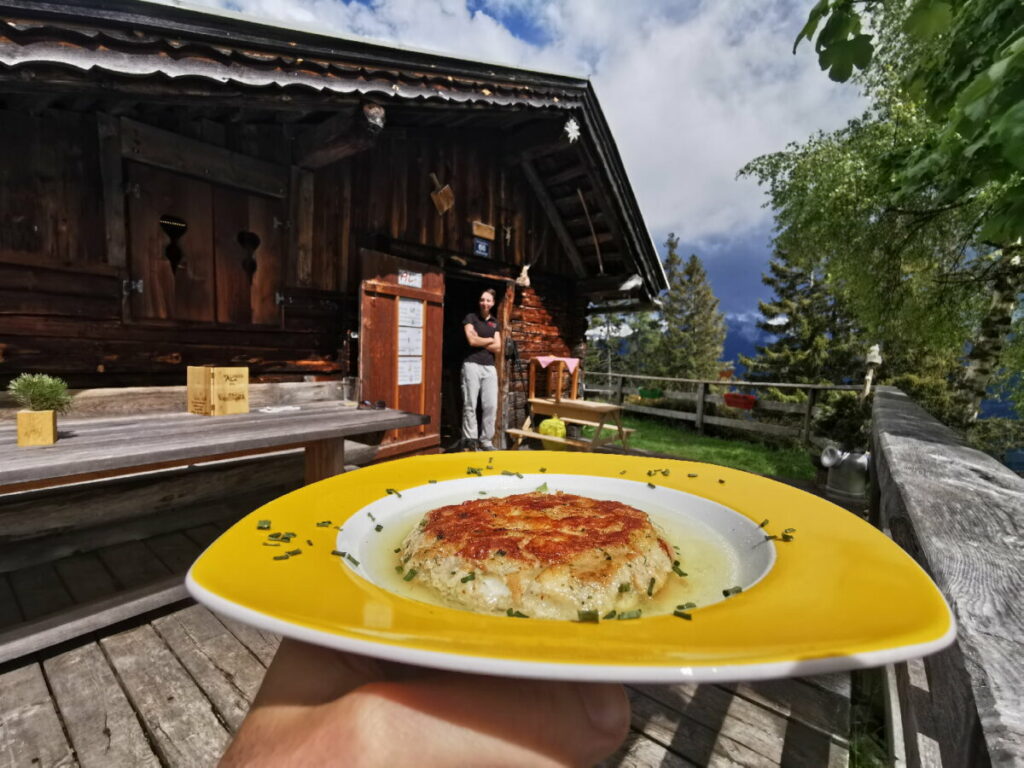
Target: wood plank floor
{"points": [[172, 689]]}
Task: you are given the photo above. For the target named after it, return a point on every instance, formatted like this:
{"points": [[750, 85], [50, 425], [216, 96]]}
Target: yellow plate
{"points": [[840, 595]]}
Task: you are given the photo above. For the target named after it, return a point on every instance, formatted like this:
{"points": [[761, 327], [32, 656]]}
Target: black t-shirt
{"points": [[485, 329]]}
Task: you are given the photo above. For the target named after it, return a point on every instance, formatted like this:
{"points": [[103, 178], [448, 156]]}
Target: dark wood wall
{"points": [[62, 307]]}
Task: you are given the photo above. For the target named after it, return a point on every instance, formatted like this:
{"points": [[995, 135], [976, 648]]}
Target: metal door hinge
{"points": [[129, 287]]}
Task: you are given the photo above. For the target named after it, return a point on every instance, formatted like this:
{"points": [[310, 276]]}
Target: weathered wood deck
{"points": [[172, 689]]}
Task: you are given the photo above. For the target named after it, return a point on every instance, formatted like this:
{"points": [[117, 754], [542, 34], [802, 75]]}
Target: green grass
{"points": [[677, 440]]}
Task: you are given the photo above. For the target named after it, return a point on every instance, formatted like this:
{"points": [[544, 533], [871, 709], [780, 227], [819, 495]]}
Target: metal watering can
{"points": [[847, 473]]}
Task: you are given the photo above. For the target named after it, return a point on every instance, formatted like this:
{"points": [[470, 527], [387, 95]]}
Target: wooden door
{"points": [[401, 314], [170, 222]]}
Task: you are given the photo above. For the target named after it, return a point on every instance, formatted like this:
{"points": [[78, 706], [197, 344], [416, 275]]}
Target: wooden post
{"points": [[111, 174], [805, 432], [324, 458], [574, 382], [559, 370], [702, 389], [532, 393], [618, 390]]}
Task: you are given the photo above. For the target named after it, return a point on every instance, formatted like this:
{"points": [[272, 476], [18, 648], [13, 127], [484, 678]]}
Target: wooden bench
{"points": [[600, 416], [521, 434]]}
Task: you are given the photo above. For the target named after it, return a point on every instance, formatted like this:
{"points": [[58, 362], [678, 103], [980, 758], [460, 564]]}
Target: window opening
{"points": [[249, 241], [174, 227]]}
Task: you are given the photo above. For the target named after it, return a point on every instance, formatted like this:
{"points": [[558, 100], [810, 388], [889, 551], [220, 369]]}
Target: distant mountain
{"points": [[742, 336]]}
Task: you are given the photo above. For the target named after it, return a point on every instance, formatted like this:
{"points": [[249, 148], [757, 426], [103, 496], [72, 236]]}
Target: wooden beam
{"points": [[339, 137], [163, 149], [554, 217], [37, 635], [601, 237], [302, 204], [573, 172], [108, 131]]}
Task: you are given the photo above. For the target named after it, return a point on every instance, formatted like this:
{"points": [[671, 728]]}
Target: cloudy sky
{"points": [[693, 89]]}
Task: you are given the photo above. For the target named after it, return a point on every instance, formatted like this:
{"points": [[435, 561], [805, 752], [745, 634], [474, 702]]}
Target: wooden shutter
{"points": [[392, 289], [248, 253], [170, 216]]}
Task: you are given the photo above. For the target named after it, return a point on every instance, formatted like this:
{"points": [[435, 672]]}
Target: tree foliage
{"points": [[815, 339], [913, 210], [691, 343]]}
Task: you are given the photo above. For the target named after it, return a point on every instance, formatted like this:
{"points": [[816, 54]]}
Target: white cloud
{"points": [[692, 89]]}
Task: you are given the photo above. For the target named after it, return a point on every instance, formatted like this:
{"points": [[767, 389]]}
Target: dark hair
{"points": [[494, 293]]}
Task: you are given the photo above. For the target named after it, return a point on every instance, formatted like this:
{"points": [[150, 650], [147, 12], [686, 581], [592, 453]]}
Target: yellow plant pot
{"points": [[37, 428]]}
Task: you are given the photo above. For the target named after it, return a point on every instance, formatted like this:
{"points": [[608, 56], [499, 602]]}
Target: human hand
{"points": [[320, 707]]}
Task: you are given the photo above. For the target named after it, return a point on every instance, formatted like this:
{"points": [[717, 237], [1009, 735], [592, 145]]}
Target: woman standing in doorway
{"points": [[479, 374]]}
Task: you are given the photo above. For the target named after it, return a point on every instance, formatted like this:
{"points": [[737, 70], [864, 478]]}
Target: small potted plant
{"points": [[42, 397]]}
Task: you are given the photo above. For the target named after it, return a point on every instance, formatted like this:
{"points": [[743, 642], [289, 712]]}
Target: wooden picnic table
{"points": [[101, 447], [584, 413]]}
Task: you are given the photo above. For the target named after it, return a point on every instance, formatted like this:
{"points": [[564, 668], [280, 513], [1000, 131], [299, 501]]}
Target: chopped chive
{"points": [[501, 553], [397, 550], [651, 485], [470, 577], [275, 536], [351, 559], [370, 514], [770, 537], [622, 472], [292, 552], [271, 544], [787, 537], [378, 527], [679, 571], [650, 587], [543, 469], [324, 524], [337, 553], [542, 488], [692, 474], [675, 548], [591, 617], [721, 481], [410, 575], [309, 543], [651, 472], [624, 587], [732, 591], [664, 472], [629, 615], [399, 569], [790, 530], [407, 558], [389, 492], [339, 528], [431, 481], [474, 471], [609, 615], [516, 614], [682, 615], [291, 534], [482, 493], [763, 523], [508, 473], [686, 606], [280, 557], [263, 525]]}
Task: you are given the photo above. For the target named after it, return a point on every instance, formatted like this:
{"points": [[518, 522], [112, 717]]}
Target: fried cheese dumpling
{"points": [[547, 555]]}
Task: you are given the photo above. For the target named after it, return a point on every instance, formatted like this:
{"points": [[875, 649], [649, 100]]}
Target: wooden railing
{"points": [[703, 391], [960, 513]]}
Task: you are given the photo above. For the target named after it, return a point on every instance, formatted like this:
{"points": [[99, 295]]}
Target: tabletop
{"points": [[109, 445]]}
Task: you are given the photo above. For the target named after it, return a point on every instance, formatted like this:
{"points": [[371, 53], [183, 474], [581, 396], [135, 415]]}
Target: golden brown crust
{"points": [[535, 527]]}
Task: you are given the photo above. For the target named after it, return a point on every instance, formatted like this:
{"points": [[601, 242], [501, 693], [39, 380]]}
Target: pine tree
{"points": [[815, 342], [694, 329]]}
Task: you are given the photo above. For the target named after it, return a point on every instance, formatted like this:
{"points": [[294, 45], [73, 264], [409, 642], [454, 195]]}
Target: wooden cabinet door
{"points": [[170, 244], [401, 313]]}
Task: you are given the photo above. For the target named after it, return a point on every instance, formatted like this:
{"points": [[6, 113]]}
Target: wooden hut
{"points": [[184, 187]]}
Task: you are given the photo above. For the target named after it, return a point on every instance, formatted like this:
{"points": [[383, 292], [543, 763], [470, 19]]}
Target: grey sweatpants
{"points": [[479, 381]]}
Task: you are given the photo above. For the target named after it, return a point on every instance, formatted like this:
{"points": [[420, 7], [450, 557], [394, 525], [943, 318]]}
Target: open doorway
{"points": [[462, 294]]}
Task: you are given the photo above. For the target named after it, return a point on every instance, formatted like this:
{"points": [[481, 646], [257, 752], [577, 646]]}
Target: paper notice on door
{"points": [[410, 370], [410, 341], [410, 313], [411, 279]]}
